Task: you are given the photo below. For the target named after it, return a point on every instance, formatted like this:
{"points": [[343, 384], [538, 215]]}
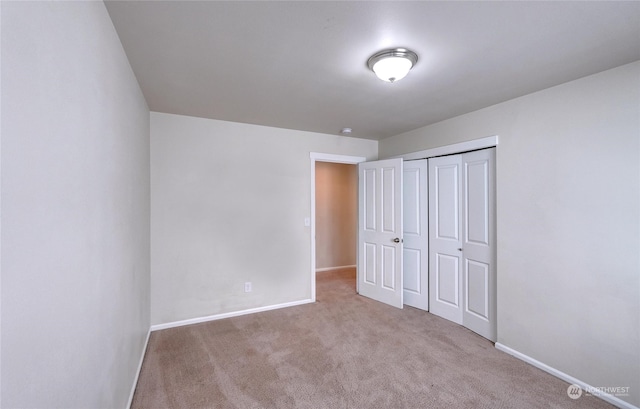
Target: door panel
{"points": [[416, 234], [389, 198], [445, 291], [447, 181], [368, 178], [447, 277], [389, 267], [369, 263], [477, 282], [379, 225], [411, 271], [477, 194], [479, 314], [462, 240]]}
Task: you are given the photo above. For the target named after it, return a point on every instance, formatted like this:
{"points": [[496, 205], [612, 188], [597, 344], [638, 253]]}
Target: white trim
{"points": [[329, 157], [482, 143], [215, 317], [322, 157], [567, 378], [320, 270], [135, 380]]}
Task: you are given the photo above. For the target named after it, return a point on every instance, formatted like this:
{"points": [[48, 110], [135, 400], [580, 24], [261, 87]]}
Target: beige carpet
{"points": [[344, 351]]}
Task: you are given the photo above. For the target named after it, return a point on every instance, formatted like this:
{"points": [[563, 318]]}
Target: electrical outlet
{"points": [[247, 287]]}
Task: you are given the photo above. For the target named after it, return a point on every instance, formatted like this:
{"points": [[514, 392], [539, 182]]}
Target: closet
{"points": [[426, 236]]}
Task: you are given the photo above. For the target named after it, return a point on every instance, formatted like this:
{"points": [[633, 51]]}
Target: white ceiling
{"points": [[302, 65]]}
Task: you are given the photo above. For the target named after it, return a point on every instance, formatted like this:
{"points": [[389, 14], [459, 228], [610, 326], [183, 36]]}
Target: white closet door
{"points": [[479, 280], [445, 243], [462, 283], [416, 234], [380, 231]]}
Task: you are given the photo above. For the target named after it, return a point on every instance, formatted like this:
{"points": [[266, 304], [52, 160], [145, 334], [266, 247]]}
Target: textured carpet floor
{"points": [[344, 351]]}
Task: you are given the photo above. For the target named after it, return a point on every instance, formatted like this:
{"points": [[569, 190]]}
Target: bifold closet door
{"points": [[462, 279], [478, 243], [445, 243], [416, 234]]}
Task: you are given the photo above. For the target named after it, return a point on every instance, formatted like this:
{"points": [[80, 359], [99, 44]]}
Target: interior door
{"points": [[478, 238], [380, 231], [416, 240], [445, 243]]}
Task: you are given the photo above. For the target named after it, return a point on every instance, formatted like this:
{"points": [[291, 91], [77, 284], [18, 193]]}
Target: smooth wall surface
{"points": [[0, 206], [75, 209], [228, 203], [568, 204], [336, 214]]}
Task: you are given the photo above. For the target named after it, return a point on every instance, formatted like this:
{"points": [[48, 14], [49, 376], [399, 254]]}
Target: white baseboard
{"points": [[319, 270], [568, 378], [135, 380], [215, 317]]}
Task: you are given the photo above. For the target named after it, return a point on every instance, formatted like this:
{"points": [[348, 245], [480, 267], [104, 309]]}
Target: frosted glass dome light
{"points": [[392, 65]]}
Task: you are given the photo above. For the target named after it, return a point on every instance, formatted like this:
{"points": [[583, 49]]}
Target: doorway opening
{"points": [[334, 213], [336, 216], [336, 228]]}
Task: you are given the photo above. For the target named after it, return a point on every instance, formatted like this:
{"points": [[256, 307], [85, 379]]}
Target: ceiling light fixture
{"points": [[392, 65]]}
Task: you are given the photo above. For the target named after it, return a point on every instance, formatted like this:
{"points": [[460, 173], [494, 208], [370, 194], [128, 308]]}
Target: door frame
{"points": [[466, 146], [331, 158]]}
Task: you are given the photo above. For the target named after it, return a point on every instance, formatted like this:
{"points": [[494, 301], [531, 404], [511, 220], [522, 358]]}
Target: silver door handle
{"points": [[396, 240]]}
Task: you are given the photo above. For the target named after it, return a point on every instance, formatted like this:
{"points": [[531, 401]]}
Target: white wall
{"points": [[75, 209], [228, 203], [0, 205], [336, 214], [568, 187]]}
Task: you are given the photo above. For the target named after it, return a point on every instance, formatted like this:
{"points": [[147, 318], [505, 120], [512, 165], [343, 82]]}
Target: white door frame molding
{"points": [[466, 146], [331, 158]]}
